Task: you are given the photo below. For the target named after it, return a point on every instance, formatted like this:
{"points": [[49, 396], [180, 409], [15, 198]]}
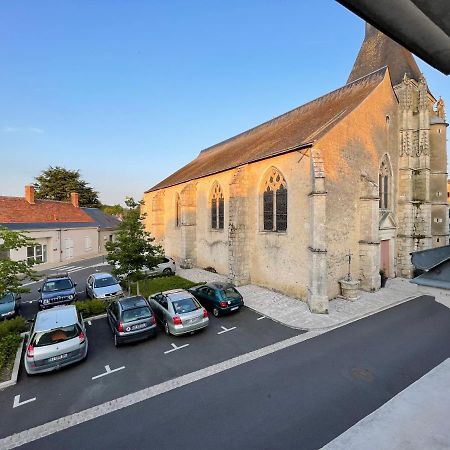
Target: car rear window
{"points": [[130, 315], [57, 285], [43, 338], [230, 292], [104, 282], [185, 305]]}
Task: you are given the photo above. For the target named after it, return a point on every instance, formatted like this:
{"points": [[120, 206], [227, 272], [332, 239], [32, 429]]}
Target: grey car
{"points": [[131, 319], [103, 285], [57, 339], [179, 311]]}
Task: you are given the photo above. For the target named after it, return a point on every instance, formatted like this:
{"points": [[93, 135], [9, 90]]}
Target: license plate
{"points": [[234, 308], [138, 327], [57, 358]]}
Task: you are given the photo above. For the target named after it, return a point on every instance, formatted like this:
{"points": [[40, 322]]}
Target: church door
{"points": [[385, 257]]}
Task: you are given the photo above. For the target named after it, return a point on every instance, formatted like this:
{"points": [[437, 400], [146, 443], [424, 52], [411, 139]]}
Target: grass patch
{"points": [[9, 343], [92, 307], [13, 326], [153, 285]]}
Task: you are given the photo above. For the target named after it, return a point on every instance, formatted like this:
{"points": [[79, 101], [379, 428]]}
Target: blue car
{"points": [[9, 305], [57, 289]]}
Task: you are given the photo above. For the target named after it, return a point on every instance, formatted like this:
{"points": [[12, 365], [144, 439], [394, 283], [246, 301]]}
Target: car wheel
{"points": [[167, 271], [166, 328], [215, 312], [116, 341]]}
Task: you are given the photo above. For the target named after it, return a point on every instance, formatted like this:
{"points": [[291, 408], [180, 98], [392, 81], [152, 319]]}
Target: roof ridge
{"points": [[274, 119]]}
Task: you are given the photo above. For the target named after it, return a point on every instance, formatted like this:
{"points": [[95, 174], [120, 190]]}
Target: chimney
{"points": [[74, 199], [29, 194]]}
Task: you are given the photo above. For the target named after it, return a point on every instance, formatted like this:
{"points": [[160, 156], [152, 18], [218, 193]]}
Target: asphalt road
{"points": [[301, 397], [78, 271]]}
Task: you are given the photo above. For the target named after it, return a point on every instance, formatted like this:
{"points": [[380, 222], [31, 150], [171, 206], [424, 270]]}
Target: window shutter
{"points": [[268, 210], [213, 213], [221, 213], [281, 209]]}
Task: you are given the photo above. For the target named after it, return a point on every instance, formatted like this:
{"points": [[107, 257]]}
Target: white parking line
{"points": [[108, 371], [175, 348], [261, 318], [32, 282], [17, 401], [226, 330]]}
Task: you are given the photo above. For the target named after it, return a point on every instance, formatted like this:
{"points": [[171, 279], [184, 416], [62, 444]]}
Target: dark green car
{"points": [[220, 298]]}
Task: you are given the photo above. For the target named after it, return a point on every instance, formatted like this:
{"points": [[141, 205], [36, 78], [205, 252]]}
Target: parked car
{"points": [[102, 285], [220, 298], [131, 319], [166, 267], [58, 289], [179, 311], [57, 339], [9, 305]]}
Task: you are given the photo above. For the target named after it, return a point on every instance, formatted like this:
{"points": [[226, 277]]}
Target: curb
{"points": [[15, 372], [100, 316]]}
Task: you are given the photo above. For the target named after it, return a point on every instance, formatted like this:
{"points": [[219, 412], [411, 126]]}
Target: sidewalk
{"points": [[295, 313]]}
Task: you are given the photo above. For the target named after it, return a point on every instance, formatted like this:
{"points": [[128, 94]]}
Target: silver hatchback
{"points": [[57, 339], [179, 311]]}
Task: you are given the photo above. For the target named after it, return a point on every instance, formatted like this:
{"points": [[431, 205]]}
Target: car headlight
{"points": [[46, 302], [71, 297]]}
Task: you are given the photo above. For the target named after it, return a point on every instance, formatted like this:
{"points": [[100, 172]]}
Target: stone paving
{"points": [[295, 313]]}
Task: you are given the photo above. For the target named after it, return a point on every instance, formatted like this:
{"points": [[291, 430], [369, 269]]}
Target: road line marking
{"points": [[80, 292], [108, 371], [261, 318], [32, 282], [226, 330], [69, 421], [17, 401], [175, 348]]}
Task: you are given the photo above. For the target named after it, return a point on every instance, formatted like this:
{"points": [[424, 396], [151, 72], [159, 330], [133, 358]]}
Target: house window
{"points": [[384, 184], [38, 253], [177, 211], [275, 202], [217, 208], [87, 243]]}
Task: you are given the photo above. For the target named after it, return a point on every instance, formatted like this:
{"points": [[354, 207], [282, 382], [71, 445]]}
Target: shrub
{"points": [[13, 326], [91, 307], [153, 285], [8, 349]]}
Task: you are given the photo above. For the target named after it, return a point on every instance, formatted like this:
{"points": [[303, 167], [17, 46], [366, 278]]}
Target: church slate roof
{"points": [[293, 130], [377, 51]]}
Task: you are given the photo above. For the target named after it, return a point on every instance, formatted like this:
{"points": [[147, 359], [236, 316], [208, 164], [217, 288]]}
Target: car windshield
{"points": [[230, 292], [185, 305], [130, 315], [105, 281], [43, 338], [7, 298], [57, 285]]}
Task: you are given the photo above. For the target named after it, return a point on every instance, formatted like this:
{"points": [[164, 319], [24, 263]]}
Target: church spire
{"points": [[377, 51]]}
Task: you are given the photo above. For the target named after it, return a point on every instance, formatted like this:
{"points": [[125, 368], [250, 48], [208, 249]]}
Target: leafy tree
{"points": [[133, 250], [114, 210], [56, 183], [12, 271]]}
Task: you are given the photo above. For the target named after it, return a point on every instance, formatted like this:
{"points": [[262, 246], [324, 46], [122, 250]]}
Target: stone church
{"points": [[360, 170]]}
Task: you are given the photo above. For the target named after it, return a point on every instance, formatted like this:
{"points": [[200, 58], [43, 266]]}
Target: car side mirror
{"points": [[75, 284], [18, 297], [39, 290]]}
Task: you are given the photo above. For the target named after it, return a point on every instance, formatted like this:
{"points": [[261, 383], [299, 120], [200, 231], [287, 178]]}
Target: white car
{"points": [[166, 267]]}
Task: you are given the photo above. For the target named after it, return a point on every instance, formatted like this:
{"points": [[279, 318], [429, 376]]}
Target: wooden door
{"points": [[385, 257]]}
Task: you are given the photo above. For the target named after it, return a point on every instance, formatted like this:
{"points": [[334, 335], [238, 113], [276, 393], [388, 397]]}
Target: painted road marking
{"points": [[226, 330], [175, 348], [63, 423], [17, 401], [32, 282], [108, 371], [261, 318]]}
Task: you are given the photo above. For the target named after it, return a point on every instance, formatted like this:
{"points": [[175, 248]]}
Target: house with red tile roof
{"points": [[63, 231]]}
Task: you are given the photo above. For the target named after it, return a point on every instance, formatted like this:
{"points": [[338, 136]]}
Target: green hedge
{"points": [[8, 349], [152, 285], [91, 308], [13, 326]]}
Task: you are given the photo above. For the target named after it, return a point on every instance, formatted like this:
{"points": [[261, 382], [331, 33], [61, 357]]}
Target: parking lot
{"points": [[111, 372]]}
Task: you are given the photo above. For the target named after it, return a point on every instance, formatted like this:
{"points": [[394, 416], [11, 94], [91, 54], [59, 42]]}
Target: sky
{"points": [[129, 91]]}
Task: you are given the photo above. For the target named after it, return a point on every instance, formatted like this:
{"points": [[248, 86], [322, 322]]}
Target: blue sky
{"points": [[129, 91]]}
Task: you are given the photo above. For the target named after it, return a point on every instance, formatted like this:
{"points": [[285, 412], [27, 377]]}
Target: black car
{"points": [[220, 298], [131, 319], [58, 289]]}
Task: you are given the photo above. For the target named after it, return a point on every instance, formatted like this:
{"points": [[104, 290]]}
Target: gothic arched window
{"points": [[384, 184], [274, 202], [217, 208], [177, 210]]}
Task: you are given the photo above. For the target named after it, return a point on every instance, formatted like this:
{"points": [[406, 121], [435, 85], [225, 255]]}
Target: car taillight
{"points": [[30, 351], [81, 337], [223, 304], [120, 326], [152, 320], [205, 313], [176, 320]]}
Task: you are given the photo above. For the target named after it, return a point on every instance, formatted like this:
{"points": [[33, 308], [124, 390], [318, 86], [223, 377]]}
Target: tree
{"points": [[56, 183], [12, 271], [114, 210], [132, 249]]}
